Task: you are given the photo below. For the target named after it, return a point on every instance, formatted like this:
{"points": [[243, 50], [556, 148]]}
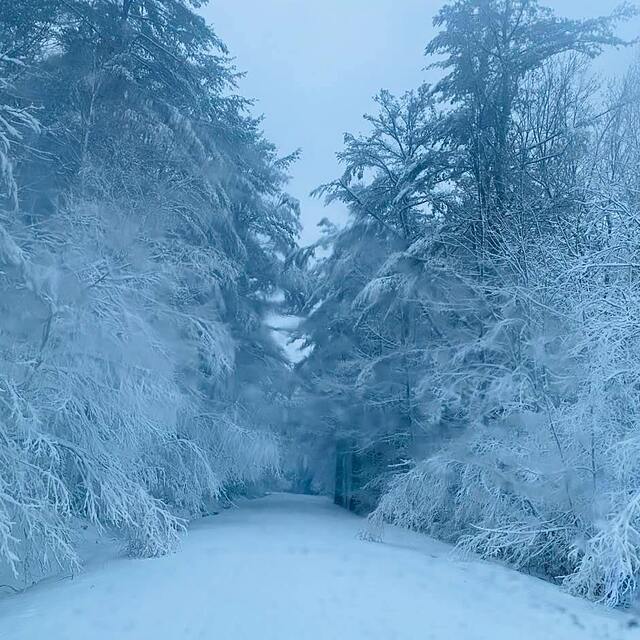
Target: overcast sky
{"points": [[314, 65]]}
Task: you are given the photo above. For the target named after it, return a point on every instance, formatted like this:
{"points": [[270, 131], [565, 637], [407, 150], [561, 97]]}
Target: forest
{"points": [[470, 364]]}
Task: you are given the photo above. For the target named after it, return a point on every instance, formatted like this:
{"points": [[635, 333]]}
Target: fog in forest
{"points": [[301, 297]]}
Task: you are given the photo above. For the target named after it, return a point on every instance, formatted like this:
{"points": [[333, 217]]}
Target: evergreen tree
{"points": [[475, 294], [149, 237]]}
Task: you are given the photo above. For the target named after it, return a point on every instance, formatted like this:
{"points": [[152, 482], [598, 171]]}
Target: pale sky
{"points": [[314, 65]]}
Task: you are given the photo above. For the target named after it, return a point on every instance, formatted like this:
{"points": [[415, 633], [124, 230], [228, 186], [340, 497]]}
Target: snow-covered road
{"points": [[293, 568]]}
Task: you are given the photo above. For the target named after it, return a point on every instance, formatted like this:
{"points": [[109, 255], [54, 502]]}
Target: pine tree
{"points": [[150, 235]]}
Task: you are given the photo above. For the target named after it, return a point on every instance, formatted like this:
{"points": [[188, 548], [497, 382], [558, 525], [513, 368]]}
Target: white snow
{"points": [[282, 328], [293, 568]]}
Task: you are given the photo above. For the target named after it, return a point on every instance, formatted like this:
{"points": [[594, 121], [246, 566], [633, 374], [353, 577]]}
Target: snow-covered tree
{"points": [[136, 373], [484, 286]]}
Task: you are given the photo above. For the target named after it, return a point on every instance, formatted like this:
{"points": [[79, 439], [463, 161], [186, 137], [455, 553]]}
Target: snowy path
{"points": [[292, 568]]}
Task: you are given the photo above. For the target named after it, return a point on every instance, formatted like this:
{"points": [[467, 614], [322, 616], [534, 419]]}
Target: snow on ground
{"points": [[293, 568]]}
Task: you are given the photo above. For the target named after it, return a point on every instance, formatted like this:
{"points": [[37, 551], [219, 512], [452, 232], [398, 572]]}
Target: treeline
{"points": [[475, 326], [143, 226]]}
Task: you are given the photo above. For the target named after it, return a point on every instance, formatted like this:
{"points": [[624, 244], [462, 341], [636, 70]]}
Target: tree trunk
{"points": [[343, 492]]}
